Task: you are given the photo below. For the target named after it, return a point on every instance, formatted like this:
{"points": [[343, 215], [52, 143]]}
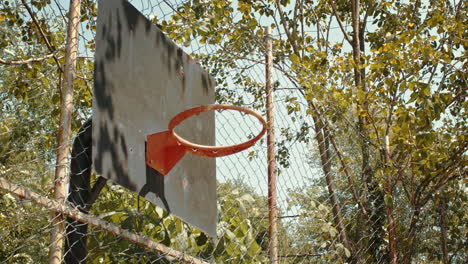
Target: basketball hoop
{"points": [[165, 149]]}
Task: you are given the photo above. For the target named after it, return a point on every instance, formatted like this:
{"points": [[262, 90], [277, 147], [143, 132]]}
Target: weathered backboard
{"points": [[142, 79]]}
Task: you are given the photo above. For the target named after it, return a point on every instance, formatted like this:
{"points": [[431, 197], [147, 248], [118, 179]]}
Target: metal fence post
{"points": [[271, 155], [63, 140]]}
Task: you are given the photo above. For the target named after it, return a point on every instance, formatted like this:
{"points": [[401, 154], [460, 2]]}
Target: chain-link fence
{"points": [[353, 183]]}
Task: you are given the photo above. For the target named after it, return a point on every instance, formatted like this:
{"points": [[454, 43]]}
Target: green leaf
{"points": [[55, 99], [167, 239], [295, 59], [347, 252], [254, 249], [159, 211], [201, 239], [426, 90]]}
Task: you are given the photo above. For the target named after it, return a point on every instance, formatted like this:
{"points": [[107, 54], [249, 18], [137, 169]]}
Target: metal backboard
{"points": [[143, 79]]}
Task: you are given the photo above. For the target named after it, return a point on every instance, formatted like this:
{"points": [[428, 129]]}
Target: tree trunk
{"points": [[443, 230], [410, 240], [376, 197], [325, 158], [389, 204]]}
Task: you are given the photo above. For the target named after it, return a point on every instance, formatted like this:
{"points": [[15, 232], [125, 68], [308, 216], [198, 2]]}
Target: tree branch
{"points": [[443, 173], [299, 255], [322, 138], [286, 30], [302, 27], [49, 46], [340, 23], [443, 229], [345, 170], [20, 62]]}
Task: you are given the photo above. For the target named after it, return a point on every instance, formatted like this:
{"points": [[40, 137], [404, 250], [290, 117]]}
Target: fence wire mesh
{"points": [[334, 196]]}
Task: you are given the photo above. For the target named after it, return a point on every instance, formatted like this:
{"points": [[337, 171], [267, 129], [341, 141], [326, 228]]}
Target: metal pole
{"points": [[271, 155], [63, 140]]}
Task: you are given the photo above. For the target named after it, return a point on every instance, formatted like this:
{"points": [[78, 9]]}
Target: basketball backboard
{"points": [[143, 79]]}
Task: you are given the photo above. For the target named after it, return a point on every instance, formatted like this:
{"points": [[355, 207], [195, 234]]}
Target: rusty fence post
{"points": [[64, 133], [271, 154]]}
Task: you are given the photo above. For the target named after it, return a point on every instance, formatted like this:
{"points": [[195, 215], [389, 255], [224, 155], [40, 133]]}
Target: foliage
{"points": [[239, 239]]}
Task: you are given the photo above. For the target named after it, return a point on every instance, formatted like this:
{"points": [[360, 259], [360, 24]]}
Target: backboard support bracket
{"points": [[163, 152]]}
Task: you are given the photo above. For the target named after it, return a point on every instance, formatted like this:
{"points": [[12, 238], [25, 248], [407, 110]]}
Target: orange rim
{"points": [[214, 151]]}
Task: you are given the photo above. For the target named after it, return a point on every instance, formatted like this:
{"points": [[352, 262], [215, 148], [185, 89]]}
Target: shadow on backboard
{"points": [[154, 184]]}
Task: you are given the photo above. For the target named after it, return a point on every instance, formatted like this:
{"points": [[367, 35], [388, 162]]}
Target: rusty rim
{"points": [[214, 151]]}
